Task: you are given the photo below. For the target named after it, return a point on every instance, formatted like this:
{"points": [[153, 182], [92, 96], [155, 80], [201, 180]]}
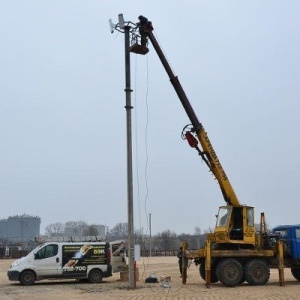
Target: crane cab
{"points": [[235, 225]]}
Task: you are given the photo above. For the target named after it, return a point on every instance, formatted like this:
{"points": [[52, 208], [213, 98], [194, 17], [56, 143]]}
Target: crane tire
{"points": [[230, 272], [257, 272], [213, 276]]}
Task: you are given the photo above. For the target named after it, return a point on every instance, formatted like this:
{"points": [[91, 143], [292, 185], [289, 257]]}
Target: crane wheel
{"points": [[257, 272], [230, 272], [213, 276]]}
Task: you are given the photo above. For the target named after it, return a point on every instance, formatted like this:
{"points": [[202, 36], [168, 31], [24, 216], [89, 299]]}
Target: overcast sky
{"points": [[63, 122]]}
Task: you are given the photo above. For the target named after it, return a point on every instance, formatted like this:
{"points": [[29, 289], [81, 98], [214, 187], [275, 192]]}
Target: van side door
{"points": [[118, 257], [46, 261]]}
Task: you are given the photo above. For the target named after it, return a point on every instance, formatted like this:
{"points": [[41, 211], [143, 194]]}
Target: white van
{"points": [[64, 260]]}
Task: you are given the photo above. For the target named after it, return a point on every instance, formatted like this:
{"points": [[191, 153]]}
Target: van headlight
{"points": [[15, 263]]}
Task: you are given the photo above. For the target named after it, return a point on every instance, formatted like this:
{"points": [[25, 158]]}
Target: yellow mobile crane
{"points": [[235, 223], [234, 253]]}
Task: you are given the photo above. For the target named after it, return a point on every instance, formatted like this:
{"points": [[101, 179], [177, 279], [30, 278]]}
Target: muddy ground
{"points": [[113, 288]]}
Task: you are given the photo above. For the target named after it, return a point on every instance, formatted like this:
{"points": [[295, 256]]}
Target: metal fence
{"points": [[146, 253], [12, 252], [15, 252]]}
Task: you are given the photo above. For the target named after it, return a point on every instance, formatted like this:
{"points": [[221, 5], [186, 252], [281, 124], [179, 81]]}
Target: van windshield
{"points": [[35, 249]]}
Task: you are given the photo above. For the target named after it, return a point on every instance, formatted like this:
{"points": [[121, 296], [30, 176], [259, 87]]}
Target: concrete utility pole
{"points": [[125, 27], [128, 108], [150, 240], [129, 29]]}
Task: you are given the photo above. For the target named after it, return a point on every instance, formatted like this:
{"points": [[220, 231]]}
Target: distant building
{"points": [[20, 229]]}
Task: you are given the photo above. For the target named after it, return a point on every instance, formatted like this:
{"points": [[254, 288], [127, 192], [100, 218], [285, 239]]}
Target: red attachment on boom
{"points": [[191, 139]]}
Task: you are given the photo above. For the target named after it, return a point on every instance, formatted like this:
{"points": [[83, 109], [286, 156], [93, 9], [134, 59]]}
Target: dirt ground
{"points": [[113, 288]]}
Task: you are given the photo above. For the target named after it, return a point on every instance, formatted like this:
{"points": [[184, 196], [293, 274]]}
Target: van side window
{"points": [[47, 251]]}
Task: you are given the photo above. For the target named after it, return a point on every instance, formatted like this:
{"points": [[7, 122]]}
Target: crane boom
{"points": [[208, 153]]}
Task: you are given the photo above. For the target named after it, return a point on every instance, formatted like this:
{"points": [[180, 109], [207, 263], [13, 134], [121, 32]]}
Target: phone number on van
{"points": [[75, 269]]}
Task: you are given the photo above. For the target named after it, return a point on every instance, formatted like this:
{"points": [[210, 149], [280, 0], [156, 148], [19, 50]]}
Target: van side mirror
{"points": [[36, 256]]}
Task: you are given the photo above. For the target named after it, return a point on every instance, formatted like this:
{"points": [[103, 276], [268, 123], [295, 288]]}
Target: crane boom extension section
{"points": [[208, 153]]}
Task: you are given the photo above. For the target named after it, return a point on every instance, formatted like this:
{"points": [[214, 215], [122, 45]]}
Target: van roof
{"points": [[76, 243]]}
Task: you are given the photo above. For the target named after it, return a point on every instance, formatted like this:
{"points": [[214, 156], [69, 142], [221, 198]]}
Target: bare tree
{"points": [[168, 240], [54, 229], [119, 232], [139, 237], [208, 230], [90, 230], [197, 231], [188, 238], [200, 238], [75, 228]]}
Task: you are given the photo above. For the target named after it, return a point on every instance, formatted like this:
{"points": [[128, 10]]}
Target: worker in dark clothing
{"points": [[179, 255], [142, 23]]}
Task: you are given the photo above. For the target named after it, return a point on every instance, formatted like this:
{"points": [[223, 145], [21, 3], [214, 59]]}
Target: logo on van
{"points": [[77, 257]]}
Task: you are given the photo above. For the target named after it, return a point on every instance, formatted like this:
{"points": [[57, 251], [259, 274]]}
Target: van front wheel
{"points": [[27, 278], [95, 276]]}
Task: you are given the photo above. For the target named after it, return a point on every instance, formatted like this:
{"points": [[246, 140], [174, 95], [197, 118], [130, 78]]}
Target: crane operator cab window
{"points": [[223, 216], [250, 217]]}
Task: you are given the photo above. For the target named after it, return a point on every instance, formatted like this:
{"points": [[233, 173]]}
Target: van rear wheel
{"points": [[27, 278], [95, 276]]}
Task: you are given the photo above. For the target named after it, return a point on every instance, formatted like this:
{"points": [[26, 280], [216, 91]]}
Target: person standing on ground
{"points": [[179, 255]]}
